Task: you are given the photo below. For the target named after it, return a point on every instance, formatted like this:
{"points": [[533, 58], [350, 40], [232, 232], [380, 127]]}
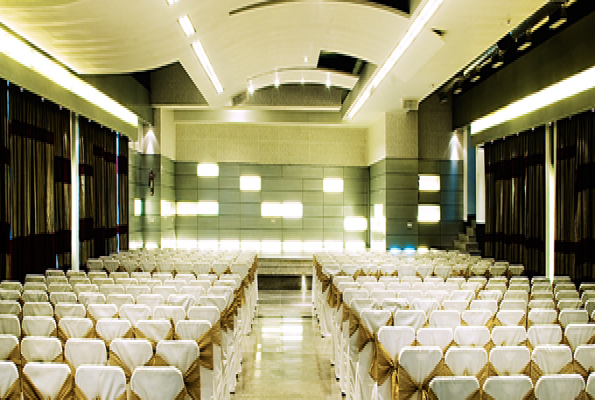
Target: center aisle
{"points": [[285, 357]]}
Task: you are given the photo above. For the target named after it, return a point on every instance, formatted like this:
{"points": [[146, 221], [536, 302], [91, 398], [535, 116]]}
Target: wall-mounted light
{"points": [[355, 224], [292, 246], [332, 185], [271, 246], [250, 88], [428, 213], [250, 183], [429, 183], [207, 208], [207, 169], [138, 207], [229, 244], [281, 210], [208, 244]]}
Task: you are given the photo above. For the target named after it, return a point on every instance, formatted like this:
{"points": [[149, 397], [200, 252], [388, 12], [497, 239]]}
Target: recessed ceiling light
{"points": [[306, 59], [250, 88], [186, 25], [170, 2], [206, 64], [277, 81]]}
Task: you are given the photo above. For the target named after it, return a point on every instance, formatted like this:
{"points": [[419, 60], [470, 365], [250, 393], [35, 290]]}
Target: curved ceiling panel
{"points": [[306, 76]]}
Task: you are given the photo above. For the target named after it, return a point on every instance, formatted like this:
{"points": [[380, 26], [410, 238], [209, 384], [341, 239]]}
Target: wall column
{"points": [[550, 198], [74, 187]]}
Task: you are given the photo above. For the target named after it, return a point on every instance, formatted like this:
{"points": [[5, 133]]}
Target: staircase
{"points": [[467, 243]]}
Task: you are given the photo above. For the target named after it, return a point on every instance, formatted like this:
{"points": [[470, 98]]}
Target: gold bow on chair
{"points": [[536, 372], [14, 392], [579, 369], [354, 322], [383, 367], [205, 345], [30, 391], [407, 387]]}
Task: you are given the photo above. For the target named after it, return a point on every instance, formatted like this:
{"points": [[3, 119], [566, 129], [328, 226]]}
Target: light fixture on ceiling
{"points": [[306, 59], [524, 41], [19, 51], [206, 64], [328, 79], [558, 17], [413, 31], [276, 80], [303, 81], [186, 25], [250, 88], [171, 2], [564, 89]]}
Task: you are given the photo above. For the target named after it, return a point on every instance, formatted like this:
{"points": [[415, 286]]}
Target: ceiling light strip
{"points": [[186, 25], [24, 54], [564, 89], [206, 64], [412, 32]]}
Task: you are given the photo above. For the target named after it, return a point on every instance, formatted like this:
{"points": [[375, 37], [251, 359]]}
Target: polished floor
{"points": [[285, 356]]}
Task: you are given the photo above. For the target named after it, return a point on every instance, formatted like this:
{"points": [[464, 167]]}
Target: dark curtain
{"points": [[123, 191], [515, 200], [63, 197], [4, 184], [98, 190], [575, 201], [33, 126]]}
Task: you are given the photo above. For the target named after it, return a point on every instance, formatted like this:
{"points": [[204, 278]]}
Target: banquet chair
{"points": [[157, 383], [10, 382], [100, 382], [507, 387], [454, 387], [559, 387], [550, 360], [41, 349], [130, 354], [509, 336], [79, 352], [47, 381], [39, 326]]}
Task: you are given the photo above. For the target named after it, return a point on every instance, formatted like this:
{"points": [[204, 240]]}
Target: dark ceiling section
{"points": [[144, 78], [399, 5], [340, 62]]}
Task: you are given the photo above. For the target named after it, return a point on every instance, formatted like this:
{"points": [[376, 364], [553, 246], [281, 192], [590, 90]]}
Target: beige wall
{"points": [[401, 135], [271, 144], [377, 140]]}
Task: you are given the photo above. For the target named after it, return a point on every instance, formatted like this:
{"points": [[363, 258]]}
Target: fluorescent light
{"points": [[271, 246], [138, 207], [206, 64], [167, 209], [207, 208], [292, 246], [293, 210], [250, 245], [277, 80], [333, 245], [250, 183], [564, 89], [229, 244], [378, 245], [151, 245], [186, 208], [170, 2], [422, 250], [208, 244], [186, 25], [355, 224], [332, 185], [313, 245], [356, 245], [285, 210], [427, 213], [25, 55], [412, 32], [207, 169], [250, 88], [168, 243], [186, 244], [429, 183]]}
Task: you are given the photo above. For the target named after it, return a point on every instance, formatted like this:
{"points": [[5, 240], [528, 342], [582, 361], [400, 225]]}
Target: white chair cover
{"points": [[8, 376], [441, 337], [63, 297], [154, 330], [438, 295], [477, 317], [590, 389], [10, 307], [466, 295], [511, 317], [218, 301], [85, 351], [557, 387], [110, 329], [101, 382], [579, 334], [194, 291], [454, 387], [170, 313], [184, 300], [573, 317], [136, 291], [419, 362], [157, 383], [445, 319], [87, 298], [41, 349], [39, 326], [76, 327], [120, 299], [569, 304], [133, 353], [508, 387], [164, 291], [413, 318], [464, 361], [192, 330], [472, 336], [99, 311], [584, 356], [510, 360], [35, 296], [551, 359], [205, 313], [544, 335], [509, 335], [513, 305], [8, 344], [426, 305], [135, 312], [491, 305], [150, 300], [62, 310], [455, 305], [47, 378]]}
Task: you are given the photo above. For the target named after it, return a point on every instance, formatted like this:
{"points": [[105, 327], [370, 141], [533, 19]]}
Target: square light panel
{"points": [[207, 169], [429, 183], [428, 213], [250, 183], [333, 185]]}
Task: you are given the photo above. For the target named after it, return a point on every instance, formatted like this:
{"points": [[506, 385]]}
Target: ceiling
{"points": [[114, 36]]}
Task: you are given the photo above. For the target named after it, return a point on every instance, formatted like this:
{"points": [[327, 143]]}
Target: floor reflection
{"points": [[284, 356]]}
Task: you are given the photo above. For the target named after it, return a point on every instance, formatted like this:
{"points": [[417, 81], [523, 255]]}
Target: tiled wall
{"points": [[378, 205], [269, 144], [168, 199], [135, 227], [240, 211]]}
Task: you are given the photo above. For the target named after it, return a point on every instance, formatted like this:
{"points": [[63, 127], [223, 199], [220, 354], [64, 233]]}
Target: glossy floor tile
{"points": [[285, 357]]}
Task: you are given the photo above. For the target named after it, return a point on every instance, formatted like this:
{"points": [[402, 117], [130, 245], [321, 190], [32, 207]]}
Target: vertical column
{"points": [[75, 184], [469, 174], [480, 186], [550, 198]]}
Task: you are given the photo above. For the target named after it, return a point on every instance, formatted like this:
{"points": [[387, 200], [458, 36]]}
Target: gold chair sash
{"points": [[30, 391], [579, 369], [180, 396], [354, 322], [382, 365], [15, 355], [358, 273], [364, 337], [407, 387], [205, 345], [80, 395], [14, 392], [481, 376], [192, 379], [345, 314]]}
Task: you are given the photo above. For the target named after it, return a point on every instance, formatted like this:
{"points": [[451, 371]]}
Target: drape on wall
{"points": [[515, 200], [63, 196], [33, 126], [575, 197], [98, 190], [4, 184], [123, 191]]}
